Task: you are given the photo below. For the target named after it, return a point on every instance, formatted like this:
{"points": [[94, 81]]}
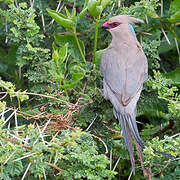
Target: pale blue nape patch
{"points": [[132, 29]]}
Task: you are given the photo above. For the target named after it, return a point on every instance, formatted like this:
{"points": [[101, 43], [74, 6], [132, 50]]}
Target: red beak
{"points": [[105, 26]]}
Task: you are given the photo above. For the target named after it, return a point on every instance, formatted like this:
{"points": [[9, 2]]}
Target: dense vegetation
{"points": [[54, 123]]}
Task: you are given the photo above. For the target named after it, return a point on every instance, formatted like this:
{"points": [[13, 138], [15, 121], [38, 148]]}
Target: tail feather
{"points": [[128, 124], [133, 126], [127, 138]]}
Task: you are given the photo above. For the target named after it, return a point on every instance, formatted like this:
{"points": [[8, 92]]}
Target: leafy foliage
{"points": [[25, 39], [75, 152], [58, 63], [168, 169]]}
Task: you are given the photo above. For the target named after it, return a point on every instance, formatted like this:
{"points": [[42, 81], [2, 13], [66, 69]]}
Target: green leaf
{"points": [[174, 75], [60, 19], [61, 40], [175, 17], [67, 13], [77, 75], [175, 5], [74, 12], [104, 3], [95, 8], [14, 168], [63, 53], [55, 55], [152, 14], [98, 57], [59, 56], [82, 13], [175, 9]]}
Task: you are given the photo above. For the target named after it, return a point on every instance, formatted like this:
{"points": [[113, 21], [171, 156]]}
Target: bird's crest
{"points": [[121, 19]]}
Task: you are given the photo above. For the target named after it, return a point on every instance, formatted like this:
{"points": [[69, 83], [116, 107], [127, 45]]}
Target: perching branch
{"points": [[169, 126]]}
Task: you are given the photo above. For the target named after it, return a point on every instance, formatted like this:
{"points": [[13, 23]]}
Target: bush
{"points": [[55, 67]]}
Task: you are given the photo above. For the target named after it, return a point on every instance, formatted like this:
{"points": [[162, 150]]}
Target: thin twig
{"points": [[146, 19], [16, 123], [2, 144], [16, 3], [54, 166], [3, 96], [9, 124], [28, 155], [9, 117], [165, 166], [116, 164], [146, 33], [177, 46], [44, 173], [26, 139], [6, 28], [44, 128], [56, 159], [110, 159], [102, 142], [161, 8], [9, 157], [26, 171], [175, 135], [50, 97], [113, 130], [14, 141], [32, 3], [176, 159], [92, 122], [161, 131], [38, 115], [42, 18], [54, 137], [43, 22], [112, 8], [18, 138], [5, 111], [119, 3], [165, 36], [130, 175], [40, 132]]}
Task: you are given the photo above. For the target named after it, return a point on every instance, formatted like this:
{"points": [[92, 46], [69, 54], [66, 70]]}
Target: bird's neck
{"points": [[123, 35]]}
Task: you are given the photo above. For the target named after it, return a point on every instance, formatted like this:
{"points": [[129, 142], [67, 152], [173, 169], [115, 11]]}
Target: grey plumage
{"points": [[124, 69]]}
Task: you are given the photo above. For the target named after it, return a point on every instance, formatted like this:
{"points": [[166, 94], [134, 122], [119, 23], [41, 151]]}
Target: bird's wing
{"points": [[124, 70]]}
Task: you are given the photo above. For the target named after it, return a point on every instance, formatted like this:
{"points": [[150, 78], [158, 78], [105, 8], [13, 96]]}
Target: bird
{"points": [[124, 69]]}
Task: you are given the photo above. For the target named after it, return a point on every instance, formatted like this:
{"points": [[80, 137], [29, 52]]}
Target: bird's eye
{"points": [[115, 24]]}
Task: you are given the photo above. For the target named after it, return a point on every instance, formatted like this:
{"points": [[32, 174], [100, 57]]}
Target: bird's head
{"points": [[117, 21]]}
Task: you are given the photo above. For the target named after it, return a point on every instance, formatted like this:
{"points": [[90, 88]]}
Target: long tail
{"points": [[129, 126], [127, 138]]}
